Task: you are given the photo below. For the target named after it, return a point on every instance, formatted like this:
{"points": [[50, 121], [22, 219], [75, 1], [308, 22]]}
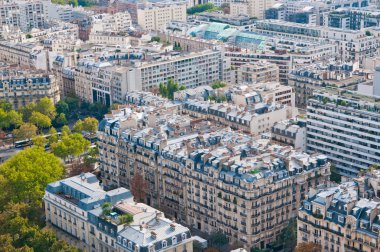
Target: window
{"points": [[340, 218], [164, 244], [184, 236], [329, 215], [307, 206], [130, 245], [124, 242], [174, 240], [151, 248], [119, 239]]}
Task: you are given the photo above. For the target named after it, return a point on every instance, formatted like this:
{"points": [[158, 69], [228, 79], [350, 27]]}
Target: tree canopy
{"points": [[169, 88], [26, 174], [201, 8]]}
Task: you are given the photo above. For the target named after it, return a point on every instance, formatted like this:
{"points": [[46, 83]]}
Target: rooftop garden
{"points": [[255, 171], [114, 216]]}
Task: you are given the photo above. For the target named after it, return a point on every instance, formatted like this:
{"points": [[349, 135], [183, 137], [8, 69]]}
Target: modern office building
{"points": [[345, 126], [75, 210], [339, 219]]}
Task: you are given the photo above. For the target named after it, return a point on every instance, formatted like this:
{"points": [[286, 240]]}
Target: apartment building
{"points": [[156, 16], [21, 86], [305, 80], [283, 61], [339, 219], [117, 22], [352, 45], [270, 92], [73, 209], [109, 79], [290, 132], [261, 71], [344, 126], [24, 54], [252, 8], [24, 15], [208, 177]]}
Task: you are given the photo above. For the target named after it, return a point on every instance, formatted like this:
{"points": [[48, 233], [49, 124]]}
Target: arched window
{"points": [[174, 240], [184, 236], [137, 248], [100, 225], [130, 245], [164, 244], [106, 228], [124, 242], [119, 239]]}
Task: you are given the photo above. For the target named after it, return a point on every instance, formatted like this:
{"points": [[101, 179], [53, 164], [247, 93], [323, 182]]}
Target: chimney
{"points": [[153, 234], [172, 226]]}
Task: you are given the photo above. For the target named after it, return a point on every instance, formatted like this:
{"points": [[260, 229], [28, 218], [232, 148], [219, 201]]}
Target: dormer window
{"points": [[137, 248], [184, 236], [307, 206], [119, 239], [174, 240], [124, 242], [340, 218], [164, 244], [329, 215], [130, 245]]}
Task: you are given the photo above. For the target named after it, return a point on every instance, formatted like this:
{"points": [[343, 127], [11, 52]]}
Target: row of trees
{"points": [[75, 3], [201, 8], [23, 179]]}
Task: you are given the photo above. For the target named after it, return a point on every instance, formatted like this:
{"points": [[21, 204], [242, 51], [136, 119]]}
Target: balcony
{"points": [[304, 230]]}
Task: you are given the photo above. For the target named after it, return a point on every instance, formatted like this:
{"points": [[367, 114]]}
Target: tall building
{"points": [[158, 15], [74, 209], [206, 175], [24, 14], [345, 126], [339, 219]]}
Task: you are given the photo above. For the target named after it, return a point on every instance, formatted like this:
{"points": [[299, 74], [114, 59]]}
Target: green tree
{"points": [[126, 219], [60, 150], [46, 107], [218, 239], [27, 174], [218, 84], [73, 2], [107, 208], [39, 141], [53, 138], [200, 8], [62, 107], [14, 118], [6, 106], [90, 124], [4, 123], [334, 175], [155, 39], [40, 120], [26, 131], [60, 120], [27, 111], [73, 102], [65, 131], [167, 90], [287, 239], [78, 126]]}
